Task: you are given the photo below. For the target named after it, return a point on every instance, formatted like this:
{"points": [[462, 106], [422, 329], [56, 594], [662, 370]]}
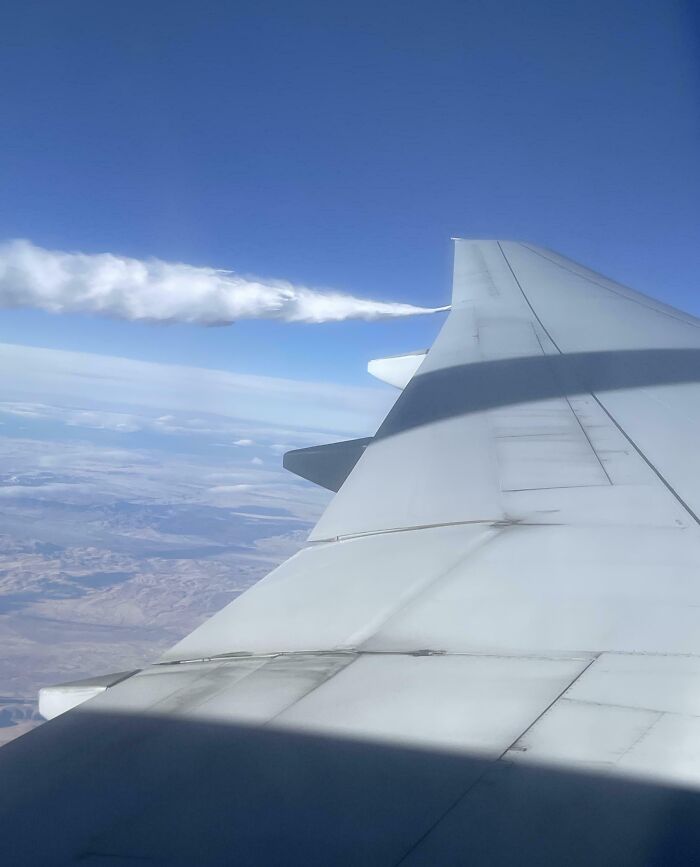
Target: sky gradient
{"points": [[341, 147]]}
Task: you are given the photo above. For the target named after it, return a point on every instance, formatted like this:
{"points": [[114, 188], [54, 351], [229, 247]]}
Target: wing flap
{"points": [[327, 465]]}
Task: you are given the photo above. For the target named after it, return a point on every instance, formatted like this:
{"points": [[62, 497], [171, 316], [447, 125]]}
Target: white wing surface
{"points": [[489, 651]]}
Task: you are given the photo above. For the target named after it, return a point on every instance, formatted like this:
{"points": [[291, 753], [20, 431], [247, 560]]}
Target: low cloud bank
{"points": [[158, 291]]}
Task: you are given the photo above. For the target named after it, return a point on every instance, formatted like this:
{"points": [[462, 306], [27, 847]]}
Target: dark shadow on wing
{"points": [[127, 789], [468, 388]]}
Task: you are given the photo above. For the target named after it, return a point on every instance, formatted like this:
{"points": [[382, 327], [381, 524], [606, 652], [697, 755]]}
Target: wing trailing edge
{"points": [[61, 697]]}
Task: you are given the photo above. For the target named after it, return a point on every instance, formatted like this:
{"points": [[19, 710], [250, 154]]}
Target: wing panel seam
{"points": [[489, 765], [629, 439], [608, 289], [566, 397]]}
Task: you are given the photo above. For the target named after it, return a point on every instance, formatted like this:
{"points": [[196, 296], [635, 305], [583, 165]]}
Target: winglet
{"points": [[397, 370]]}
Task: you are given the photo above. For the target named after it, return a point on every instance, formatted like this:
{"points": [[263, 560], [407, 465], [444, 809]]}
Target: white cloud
{"points": [[50, 491], [98, 419], [116, 421], [230, 489], [244, 443], [256, 461], [158, 291]]}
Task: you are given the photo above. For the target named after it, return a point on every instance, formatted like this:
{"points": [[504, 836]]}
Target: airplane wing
{"points": [[488, 652]]}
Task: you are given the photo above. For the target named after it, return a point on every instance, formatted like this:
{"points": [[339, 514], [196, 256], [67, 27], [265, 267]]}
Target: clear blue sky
{"points": [[341, 145]]}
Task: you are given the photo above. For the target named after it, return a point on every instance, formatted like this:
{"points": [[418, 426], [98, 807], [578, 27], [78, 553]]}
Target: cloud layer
{"points": [[125, 395], [158, 291]]}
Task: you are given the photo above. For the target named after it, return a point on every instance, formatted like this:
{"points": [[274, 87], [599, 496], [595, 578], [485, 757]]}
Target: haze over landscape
{"points": [[136, 499]]}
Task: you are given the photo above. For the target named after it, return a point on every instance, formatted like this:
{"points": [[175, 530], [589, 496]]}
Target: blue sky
{"points": [[342, 145]]}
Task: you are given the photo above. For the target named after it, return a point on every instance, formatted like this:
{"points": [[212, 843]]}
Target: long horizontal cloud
{"points": [[125, 395], [158, 291]]}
